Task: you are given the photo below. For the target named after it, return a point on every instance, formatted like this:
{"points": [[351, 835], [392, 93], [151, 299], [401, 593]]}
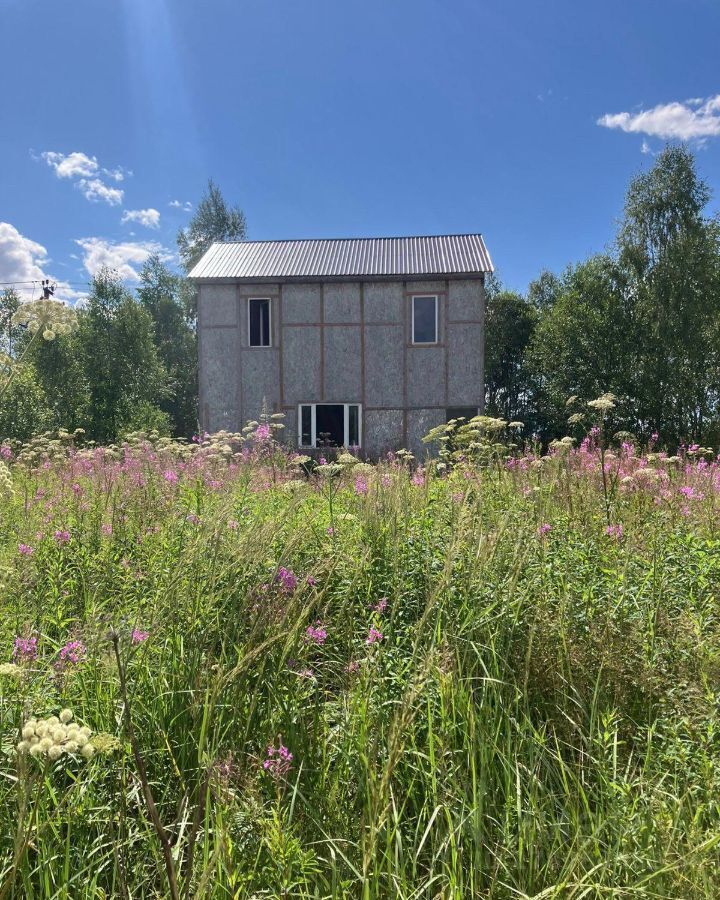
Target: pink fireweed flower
{"points": [[62, 537], [139, 636], [287, 578], [262, 434], [544, 530], [106, 530], [6, 452], [170, 476], [361, 486], [25, 550], [614, 531], [310, 581], [72, 653], [374, 635], [386, 481], [352, 667], [418, 478], [24, 649], [233, 524], [278, 761], [381, 605], [330, 531], [316, 634]]}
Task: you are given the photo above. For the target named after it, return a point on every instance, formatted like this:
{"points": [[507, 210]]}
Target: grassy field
{"points": [[493, 680]]}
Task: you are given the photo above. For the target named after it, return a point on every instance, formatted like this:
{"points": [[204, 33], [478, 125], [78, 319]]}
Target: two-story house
{"points": [[366, 342]]}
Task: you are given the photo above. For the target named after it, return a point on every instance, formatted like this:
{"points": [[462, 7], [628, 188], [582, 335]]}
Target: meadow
{"points": [[228, 673]]}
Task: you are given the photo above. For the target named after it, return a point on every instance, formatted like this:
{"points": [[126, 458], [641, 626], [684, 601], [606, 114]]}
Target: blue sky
{"points": [[340, 118]]}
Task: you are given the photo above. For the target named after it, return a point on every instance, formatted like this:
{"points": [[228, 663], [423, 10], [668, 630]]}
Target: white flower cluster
{"points": [[50, 316], [54, 736], [6, 483]]}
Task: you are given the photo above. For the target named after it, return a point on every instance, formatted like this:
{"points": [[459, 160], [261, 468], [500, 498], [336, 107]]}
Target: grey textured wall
{"points": [[342, 342]]}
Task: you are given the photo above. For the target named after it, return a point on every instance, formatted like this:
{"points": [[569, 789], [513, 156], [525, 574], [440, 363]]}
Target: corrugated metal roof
{"points": [[449, 254]]}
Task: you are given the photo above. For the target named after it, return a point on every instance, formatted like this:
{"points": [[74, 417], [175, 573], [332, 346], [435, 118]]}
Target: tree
{"points": [[213, 221], [161, 294], [509, 324], [583, 344], [671, 253], [120, 360], [10, 333]]}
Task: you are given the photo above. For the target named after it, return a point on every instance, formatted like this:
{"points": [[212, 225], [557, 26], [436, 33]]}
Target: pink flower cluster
{"points": [[25, 550], [614, 531], [287, 578], [278, 761], [374, 635], [72, 653], [62, 537], [316, 634], [24, 649]]}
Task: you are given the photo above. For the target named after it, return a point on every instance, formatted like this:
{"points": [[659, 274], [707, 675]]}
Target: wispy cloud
{"points": [[692, 120], [87, 175], [150, 218], [186, 206], [125, 257]]}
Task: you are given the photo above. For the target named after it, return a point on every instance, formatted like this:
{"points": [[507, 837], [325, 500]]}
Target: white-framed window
{"points": [[259, 322], [329, 425], [424, 319]]}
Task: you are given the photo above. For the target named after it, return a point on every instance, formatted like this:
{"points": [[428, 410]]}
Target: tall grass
{"points": [[534, 714]]}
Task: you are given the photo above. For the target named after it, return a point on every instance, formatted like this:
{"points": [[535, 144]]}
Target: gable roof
{"points": [[342, 258]]}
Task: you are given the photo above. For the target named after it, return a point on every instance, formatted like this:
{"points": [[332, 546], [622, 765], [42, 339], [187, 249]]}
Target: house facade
{"points": [[359, 342]]}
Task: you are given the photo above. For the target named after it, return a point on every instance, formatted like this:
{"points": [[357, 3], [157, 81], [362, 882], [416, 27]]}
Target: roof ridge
{"points": [[382, 237]]}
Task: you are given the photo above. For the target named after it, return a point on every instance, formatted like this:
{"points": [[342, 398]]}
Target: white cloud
{"points": [[123, 256], [646, 148], [84, 171], [24, 260], [150, 218], [20, 258], [178, 204], [74, 165], [94, 189], [670, 121]]}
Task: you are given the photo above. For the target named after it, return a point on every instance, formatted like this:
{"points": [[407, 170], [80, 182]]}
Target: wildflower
{"points": [[62, 537], [278, 761], [381, 605], [374, 635], [604, 403], [105, 743], [107, 530], [330, 531], [458, 497], [614, 531], [170, 476], [6, 452], [24, 649], [192, 519], [361, 487], [310, 581], [418, 478], [233, 524], [544, 529], [25, 550], [72, 653], [10, 670], [386, 481], [262, 434], [352, 667], [139, 636], [317, 634], [54, 736], [287, 578]]}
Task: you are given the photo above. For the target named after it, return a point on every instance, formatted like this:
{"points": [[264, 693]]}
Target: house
{"points": [[366, 342]]}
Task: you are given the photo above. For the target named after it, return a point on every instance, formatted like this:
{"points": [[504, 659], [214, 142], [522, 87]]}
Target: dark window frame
{"points": [[268, 301], [436, 299]]}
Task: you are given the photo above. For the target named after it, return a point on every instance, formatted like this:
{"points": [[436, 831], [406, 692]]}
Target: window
{"points": [[424, 319], [460, 412], [259, 322], [329, 425]]}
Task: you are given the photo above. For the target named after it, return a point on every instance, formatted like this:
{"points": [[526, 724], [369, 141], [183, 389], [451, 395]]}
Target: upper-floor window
{"points": [[259, 322], [425, 319]]}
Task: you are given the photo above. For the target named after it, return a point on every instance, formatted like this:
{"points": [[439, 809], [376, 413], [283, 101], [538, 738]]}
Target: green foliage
{"points": [[24, 410], [213, 220], [161, 294]]}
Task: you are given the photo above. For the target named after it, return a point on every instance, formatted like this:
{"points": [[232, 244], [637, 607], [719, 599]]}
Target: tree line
{"points": [[131, 364], [641, 321]]}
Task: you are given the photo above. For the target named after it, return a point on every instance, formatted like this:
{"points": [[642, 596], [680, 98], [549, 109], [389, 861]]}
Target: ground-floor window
{"points": [[330, 425], [460, 412]]}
